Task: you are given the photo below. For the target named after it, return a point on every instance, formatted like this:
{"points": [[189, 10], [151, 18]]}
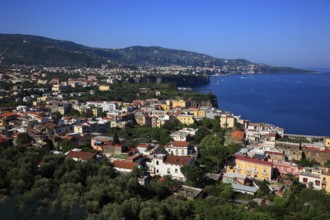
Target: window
{"points": [[182, 152], [264, 171], [176, 170], [157, 162], [176, 151], [157, 171], [305, 180], [317, 182], [168, 170]]}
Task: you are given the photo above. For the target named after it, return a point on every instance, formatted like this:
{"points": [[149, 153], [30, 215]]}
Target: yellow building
{"points": [[165, 107], [326, 142], [186, 119], [178, 103], [325, 179], [199, 113], [97, 112], [251, 167], [104, 87], [227, 121]]}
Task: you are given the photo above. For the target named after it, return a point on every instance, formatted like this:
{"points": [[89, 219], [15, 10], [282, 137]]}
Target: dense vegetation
{"points": [[60, 188]]}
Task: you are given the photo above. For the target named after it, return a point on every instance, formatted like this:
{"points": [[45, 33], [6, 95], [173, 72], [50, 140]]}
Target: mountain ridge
{"points": [[39, 50]]}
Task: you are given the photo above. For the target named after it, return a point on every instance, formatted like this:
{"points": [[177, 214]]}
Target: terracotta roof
{"points": [[252, 160], [81, 155], [237, 135], [177, 160], [273, 152], [312, 148], [326, 151], [124, 164], [144, 145], [180, 143], [8, 114]]}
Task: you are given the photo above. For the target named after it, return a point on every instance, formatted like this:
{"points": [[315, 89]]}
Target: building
{"points": [[124, 166], [163, 165], [81, 156], [186, 119], [104, 87], [325, 179], [286, 167], [311, 177], [178, 103], [326, 142], [252, 168], [227, 121], [179, 148]]}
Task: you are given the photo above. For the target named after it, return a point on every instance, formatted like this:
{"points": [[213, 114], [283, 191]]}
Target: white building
{"points": [[179, 148], [163, 164], [311, 177]]}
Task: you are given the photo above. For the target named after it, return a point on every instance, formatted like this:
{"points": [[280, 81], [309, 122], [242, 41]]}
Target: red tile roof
{"points": [[124, 164], [326, 151], [252, 160], [237, 135], [177, 160], [8, 114], [81, 155], [180, 143], [312, 148]]}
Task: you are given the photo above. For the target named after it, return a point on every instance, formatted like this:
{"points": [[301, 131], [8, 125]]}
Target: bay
{"points": [[300, 103]]}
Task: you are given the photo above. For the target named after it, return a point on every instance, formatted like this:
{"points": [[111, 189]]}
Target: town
{"points": [[156, 130]]}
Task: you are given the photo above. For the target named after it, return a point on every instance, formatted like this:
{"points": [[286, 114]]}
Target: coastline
{"points": [[299, 123]]}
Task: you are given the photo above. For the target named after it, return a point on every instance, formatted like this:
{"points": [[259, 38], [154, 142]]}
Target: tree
{"points": [[23, 138], [263, 189], [192, 173], [66, 145], [116, 138]]}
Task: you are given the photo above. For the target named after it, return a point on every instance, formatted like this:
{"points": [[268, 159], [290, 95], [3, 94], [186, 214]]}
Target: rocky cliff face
{"points": [[209, 102]]}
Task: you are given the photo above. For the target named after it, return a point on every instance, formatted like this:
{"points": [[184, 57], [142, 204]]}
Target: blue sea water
{"points": [[300, 103]]}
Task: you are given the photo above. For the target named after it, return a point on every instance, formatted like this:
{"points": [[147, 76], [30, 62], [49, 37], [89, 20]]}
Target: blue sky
{"points": [[277, 32]]}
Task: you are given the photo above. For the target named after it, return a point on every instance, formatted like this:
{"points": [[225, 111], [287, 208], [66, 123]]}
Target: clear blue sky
{"points": [[278, 32]]}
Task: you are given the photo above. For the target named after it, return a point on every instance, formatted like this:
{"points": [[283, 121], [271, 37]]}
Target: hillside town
{"points": [[50, 114]]}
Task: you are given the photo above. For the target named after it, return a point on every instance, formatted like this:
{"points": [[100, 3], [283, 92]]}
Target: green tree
{"points": [[193, 173], [23, 138], [116, 138], [66, 145]]}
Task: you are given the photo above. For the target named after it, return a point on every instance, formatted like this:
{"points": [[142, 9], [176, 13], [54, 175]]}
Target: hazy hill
{"points": [[35, 50]]}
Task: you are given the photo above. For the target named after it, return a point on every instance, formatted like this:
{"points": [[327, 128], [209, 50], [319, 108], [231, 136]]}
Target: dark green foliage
{"points": [[192, 173], [66, 145], [23, 138], [64, 189]]}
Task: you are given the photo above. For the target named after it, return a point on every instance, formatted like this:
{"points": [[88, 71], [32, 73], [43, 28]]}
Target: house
{"points": [[227, 121], [146, 149], [237, 136], [178, 103], [325, 179], [286, 167], [326, 142], [251, 167], [104, 87], [98, 142], [180, 136], [234, 178], [124, 166], [163, 164], [81, 155], [244, 189], [186, 119], [311, 177], [179, 148], [189, 192]]}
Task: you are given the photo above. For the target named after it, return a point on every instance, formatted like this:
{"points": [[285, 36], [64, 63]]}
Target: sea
{"points": [[300, 103]]}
